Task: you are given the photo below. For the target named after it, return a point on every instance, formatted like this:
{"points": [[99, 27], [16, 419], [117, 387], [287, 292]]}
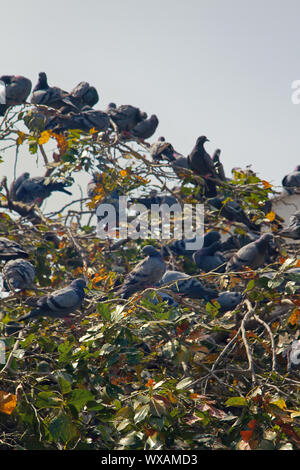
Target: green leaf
{"points": [[79, 398], [236, 401], [141, 414], [184, 383], [62, 429]]}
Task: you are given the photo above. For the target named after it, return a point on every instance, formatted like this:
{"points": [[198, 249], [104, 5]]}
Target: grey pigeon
{"points": [[54, 97], [253, 255], [232, 211], [292, 353], [218, 165], [291, 182], [85, 120], [35, 189], [18, 274], [154, 198], [85, 94], [146, 273], [201, 163], [17, 90], [162, 150], [182, 283], [60, 303], [229, 301], [210, 259], [159, 297], [126, 117], [293, 228], [9, 249], [146, 128], [179, 247]]}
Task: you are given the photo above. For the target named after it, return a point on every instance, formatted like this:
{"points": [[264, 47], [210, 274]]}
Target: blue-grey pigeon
{"points": [[54, 97], [59, 303], [9, 249], [293, 228], [85, 94], [232, 211], [210, 259], [126, 116], [182, 283], [18, 274], [229, 301], [146, 128], [252, 255], [85, 120], [291, 182], [218, 165], [35, 189], [146, 273], [17, 90]]}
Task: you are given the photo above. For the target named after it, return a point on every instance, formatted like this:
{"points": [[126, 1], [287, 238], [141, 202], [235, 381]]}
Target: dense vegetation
{"points": [[134, 374]]}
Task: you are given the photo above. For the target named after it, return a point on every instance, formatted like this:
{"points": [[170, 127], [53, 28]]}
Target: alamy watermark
{"points": [[160, 222]]}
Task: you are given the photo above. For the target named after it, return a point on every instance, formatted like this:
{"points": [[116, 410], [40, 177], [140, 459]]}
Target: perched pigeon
{"points": [[18, 274], [126, 117], [293, 229], [162, 149], [146, 128], [232, 211], [235, 242], [253, 255], [201, 163], [218, 165], [182, 283], [180, 247], [85, 120], [229, 301], [146, 273], [154, 198], [60, 303], [54, 97], [85, 94], [210, 259], [17, 90], [291, 182], [292, 353], [159, 297], [9, 250], [36, 188]]}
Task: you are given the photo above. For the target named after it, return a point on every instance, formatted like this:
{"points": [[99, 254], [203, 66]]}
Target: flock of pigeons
{"points": [[75, 110]]}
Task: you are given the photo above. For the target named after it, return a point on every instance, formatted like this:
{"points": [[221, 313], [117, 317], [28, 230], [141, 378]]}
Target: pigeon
{"points": [[146, 273], [291, 182], [292, 353], [159, 297], [146, 128], [17, 90], [182, 283], [232, 211], [9, 250], [253, 255], [235, 242], [85, 94], [179, 247], [209, 259], [162, 150], [126, 117], [37, 188], [85, 120], [54, 97], [154, 198], [229, 301], [201, 163], [293, 228], [218, 165], [59, 303], [18, 274]]}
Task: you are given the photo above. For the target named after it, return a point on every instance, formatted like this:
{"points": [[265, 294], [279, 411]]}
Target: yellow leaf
{"points": [[8, 402], [271, 216], [280, 403], [21, 137], [123, 173], [266, 184], [45, 136]]}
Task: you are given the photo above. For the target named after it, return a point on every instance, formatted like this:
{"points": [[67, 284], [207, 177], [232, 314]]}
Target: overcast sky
{"points": [[222, 68]]}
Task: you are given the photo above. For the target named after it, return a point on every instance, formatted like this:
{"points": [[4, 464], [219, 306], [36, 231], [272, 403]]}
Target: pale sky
{"points": [[220, 68]]}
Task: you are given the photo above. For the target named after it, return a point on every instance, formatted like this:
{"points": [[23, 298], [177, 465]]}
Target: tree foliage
{"points": [[135, 374]]}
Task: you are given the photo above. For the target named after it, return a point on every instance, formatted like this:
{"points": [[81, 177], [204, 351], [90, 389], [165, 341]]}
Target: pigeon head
{"points": [[265, 239], [161, 139], [149, 250], [112, 106], [43, 78], [201, 141], [217, 154], [79, 283], [297, 168]]}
